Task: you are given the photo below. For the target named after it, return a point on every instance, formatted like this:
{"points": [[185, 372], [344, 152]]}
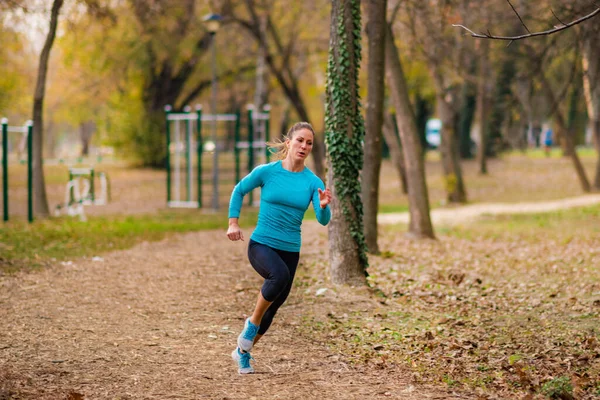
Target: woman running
{"points": [[287, 189]]}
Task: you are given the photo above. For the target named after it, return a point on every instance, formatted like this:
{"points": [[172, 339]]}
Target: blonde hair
{"points": [[278, 148]]}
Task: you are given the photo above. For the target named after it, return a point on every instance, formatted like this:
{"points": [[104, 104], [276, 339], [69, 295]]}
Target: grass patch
{"points": [[563, 224], [30, 246], [383, 208]]}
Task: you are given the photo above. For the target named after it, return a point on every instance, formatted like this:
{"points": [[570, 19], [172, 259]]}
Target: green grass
{"points": [[383, 208], [535, 227], [555, 152], [30, 246]]}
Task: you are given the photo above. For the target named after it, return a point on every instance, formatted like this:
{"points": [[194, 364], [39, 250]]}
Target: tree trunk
{"points": [[50, 139], [284, 122], [40, 200], [591, 89], [455, 188], [524, 94], [465, 120], [567, 135], [418, 197], [391, 139], [481, 107], [376, 10], [282, 71], [86, 130], [344, 132]]}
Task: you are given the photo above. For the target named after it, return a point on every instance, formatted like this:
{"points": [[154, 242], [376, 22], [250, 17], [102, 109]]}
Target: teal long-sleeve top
{"points": [[284, 198]]}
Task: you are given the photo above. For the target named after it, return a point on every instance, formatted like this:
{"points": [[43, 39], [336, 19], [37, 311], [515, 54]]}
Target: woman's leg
{"points": [[291, 260], [259, 310], [270, 265]]}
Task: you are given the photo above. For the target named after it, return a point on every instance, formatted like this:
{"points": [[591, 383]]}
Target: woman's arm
{"points": [[321, 200], [251, 181]]}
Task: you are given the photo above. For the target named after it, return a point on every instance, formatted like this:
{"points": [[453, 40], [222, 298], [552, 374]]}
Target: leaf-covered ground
{"points": [[505, 307]]}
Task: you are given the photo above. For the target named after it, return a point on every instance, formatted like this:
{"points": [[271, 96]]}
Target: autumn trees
{"points": [[121, 62]]}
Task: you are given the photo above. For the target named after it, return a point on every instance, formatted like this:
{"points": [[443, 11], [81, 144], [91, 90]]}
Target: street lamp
{"points": [[213, 23]]}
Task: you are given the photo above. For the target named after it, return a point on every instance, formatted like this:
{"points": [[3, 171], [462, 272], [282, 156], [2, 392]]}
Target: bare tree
{"points": [[278, 57], [376, 13], [420, 220], [591, 87], [86, 131], [566, 134], [482, 107], [393, 143], [559, 28], [40, 199], [444, 57]]}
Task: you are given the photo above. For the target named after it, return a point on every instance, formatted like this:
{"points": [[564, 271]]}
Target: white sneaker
{"points": [[243, 361]]}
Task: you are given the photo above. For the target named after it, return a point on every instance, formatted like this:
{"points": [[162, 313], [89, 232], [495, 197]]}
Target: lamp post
{"points": [[213, 23]]}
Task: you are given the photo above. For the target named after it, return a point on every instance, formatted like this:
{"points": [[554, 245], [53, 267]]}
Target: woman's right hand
{"points": [[234, 232]]}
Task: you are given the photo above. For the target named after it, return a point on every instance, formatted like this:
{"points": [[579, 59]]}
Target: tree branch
{"points": [[512, 38], [205, 84], [518, 16], [556, 16]]}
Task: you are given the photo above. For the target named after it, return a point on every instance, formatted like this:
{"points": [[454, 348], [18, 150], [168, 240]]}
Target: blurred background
{"points": [[115, 65]]}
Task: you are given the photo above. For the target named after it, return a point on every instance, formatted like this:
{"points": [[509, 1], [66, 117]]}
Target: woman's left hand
{"points": [[324, 197]]}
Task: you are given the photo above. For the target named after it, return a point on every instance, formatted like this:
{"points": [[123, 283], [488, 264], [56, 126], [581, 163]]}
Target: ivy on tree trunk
{"points": [[344, 134]]}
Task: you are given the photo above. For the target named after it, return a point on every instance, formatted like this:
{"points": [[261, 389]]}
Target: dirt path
{"points": [[449, 216], [159, 321]]}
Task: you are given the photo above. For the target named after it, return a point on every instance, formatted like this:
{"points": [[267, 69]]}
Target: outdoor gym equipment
{"points": [[178, 145], [81, 191], [259, 128], [186, 145], [181, 156], [27, 136]]}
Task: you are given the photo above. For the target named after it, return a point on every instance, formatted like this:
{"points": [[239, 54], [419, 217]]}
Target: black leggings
{"points": [[278, 267]]}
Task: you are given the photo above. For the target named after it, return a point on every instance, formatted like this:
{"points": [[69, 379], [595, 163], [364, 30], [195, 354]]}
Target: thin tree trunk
{"points": [[284, 122], [524, 93], [567, 135], [481, 107], [591, 89], [391, 139], [418, 197], [344, 131], [86, 131], [455, 188], [282, 71], [376, 10], [40, 199], [50, 139]]}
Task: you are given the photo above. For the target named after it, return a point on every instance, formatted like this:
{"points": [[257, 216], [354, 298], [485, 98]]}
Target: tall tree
{"points": [[344, 133], [566, 133], [418, 197], [168, 64], [445, 59], [591, 87], [481, 107], [390, 135], [376, 14], [278, 56], [40, 199]]}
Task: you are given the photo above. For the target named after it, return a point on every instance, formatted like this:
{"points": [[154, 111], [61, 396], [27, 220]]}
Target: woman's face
{"points": [[300, 145]]}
